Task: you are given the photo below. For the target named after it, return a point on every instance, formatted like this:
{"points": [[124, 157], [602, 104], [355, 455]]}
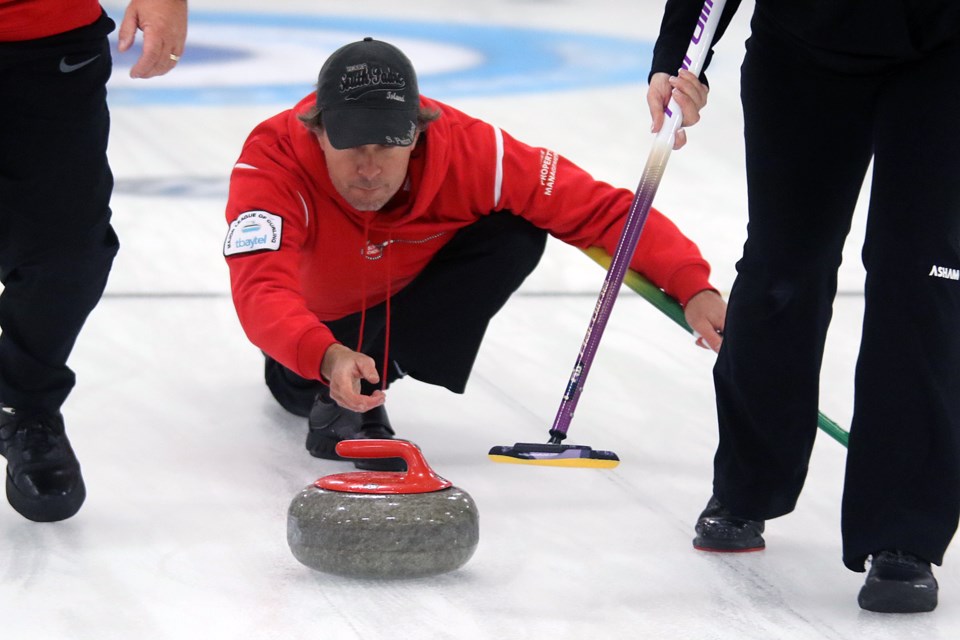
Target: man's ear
{"points": [[322, 139]]}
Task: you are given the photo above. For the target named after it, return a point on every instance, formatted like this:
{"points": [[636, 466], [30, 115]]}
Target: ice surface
{"points": [[190, 466]]}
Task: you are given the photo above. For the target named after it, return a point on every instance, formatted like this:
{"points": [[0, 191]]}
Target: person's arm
{"points": [[164, 26], [263, 247], [557, 195], [666, 79], [679, 23]]}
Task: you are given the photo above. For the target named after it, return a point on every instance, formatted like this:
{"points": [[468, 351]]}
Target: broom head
{"points": [[554, 455]]}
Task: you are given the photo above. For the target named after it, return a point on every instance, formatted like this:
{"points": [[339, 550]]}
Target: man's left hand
{"points": [[706, 312]]}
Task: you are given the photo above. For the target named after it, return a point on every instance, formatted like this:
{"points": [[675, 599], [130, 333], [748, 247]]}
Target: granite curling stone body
{"points": [[389, 524]]}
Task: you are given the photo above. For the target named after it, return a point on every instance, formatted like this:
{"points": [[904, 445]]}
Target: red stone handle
{"points": [[368, 448], [418, 478]]}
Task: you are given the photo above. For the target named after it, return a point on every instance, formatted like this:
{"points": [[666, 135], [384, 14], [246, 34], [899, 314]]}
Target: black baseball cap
{"points": [[367, 93]]}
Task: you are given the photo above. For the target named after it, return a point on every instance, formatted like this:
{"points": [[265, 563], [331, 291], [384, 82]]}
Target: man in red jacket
{"points": [[373, 233]]}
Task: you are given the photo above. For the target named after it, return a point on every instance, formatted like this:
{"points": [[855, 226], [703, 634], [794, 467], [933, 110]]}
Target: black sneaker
{"points": [[719, 530], [898, 583], [329, 423], [43, 475]]}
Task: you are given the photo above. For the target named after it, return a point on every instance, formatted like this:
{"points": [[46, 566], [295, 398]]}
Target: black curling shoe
{"points": [[43, 475], [719, 530], [899, 583], [329, 423]]}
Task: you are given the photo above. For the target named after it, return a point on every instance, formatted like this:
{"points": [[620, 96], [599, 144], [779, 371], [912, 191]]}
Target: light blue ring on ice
{"points": [[512, 60]]}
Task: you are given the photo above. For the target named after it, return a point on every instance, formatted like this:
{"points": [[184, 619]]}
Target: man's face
{"points": [[368, 176]]}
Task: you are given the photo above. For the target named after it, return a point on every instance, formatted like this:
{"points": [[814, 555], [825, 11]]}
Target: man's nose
{"points": [[367, 164]]}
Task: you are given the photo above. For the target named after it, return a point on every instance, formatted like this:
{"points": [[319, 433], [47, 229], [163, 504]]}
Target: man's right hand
{"points": [[344, 368]]}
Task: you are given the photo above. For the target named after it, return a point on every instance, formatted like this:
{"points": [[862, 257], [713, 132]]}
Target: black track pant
{"points": [[810, 135], [56, 243], [438, 321]]}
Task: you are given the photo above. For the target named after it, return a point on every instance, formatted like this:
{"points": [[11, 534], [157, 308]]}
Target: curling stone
{"points": [[383, 524]]}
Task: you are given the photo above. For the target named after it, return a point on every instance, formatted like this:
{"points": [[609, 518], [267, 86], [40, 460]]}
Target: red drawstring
{"points": [[363, 300], [386, 335], [363, 281]]}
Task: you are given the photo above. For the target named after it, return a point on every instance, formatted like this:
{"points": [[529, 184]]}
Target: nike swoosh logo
{"points": [[68, 68]]}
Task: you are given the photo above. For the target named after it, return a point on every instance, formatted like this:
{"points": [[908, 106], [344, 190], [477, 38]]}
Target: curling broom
{"points": [[554, 453]]}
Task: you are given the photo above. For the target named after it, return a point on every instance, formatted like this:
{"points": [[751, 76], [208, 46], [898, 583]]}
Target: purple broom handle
{"points": [[636, 218]]}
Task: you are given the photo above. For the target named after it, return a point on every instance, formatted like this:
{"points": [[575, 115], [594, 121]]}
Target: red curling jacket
{"points": [[32, 19], [299, 254]]}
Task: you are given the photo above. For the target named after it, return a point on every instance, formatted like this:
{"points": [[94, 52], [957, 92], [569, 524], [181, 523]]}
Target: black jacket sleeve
{"points": [[679, 20]]}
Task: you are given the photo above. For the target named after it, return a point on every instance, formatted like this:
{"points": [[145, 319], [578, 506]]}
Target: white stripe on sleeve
{"points": [[498, 180], [306, 211]]}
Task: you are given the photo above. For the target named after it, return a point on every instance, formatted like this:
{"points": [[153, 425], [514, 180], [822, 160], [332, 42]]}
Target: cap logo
{"points": [[402, 141], [360, 79]]}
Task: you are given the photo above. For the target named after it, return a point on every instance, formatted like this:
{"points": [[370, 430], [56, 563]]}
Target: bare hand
{"points": [[164, 26], [344, 368], [706, 313], [687, 90]]}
